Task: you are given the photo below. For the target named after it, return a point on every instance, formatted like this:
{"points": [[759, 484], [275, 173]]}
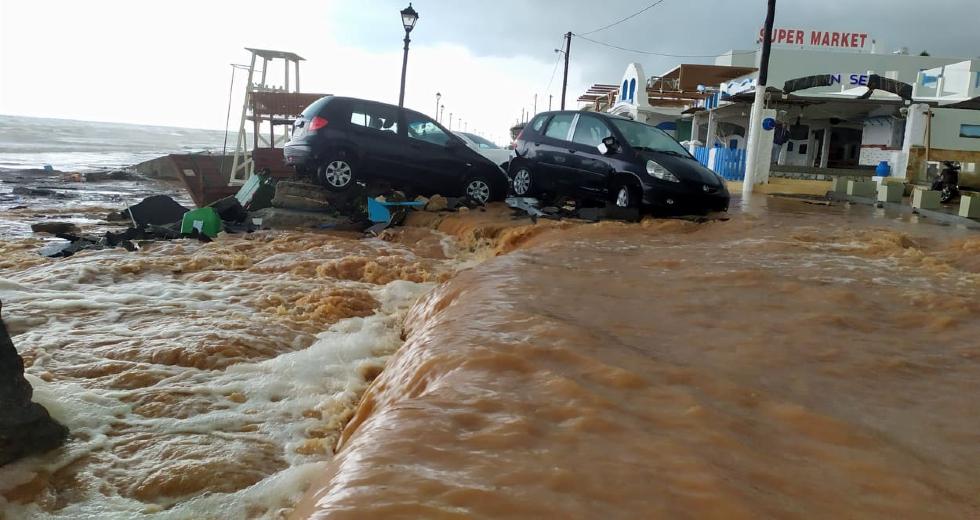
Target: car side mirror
{"points": [[609, 145]]}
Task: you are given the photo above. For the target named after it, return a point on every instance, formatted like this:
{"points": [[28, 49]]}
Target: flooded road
{"points": [[799, 361], [794, 361]]}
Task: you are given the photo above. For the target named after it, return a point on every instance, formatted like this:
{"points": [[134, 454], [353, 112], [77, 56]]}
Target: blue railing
{"points": [[701, 154], [730, 163]]}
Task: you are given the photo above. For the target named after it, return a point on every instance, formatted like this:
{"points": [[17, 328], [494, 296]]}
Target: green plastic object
{"points": [[205, 220]]}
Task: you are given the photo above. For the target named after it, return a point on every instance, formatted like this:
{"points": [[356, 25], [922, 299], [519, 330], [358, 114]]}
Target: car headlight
{"points": [[653, 168]]}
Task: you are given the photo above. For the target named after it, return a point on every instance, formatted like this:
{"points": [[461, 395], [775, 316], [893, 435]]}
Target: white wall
{"points": [[946, 129]]}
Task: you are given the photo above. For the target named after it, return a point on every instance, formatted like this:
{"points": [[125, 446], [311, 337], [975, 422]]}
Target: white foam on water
{"points": [[86, 302]]}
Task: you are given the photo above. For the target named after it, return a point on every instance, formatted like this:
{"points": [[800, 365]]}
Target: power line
{"points": [[651, 53], [641, 11]]}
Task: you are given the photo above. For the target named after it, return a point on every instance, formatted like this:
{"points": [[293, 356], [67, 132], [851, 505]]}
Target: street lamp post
{"points": [[442, 110], [438, 97], [409, 17]]}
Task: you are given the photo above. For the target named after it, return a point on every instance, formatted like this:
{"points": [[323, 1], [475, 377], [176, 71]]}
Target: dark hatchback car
{"points": [[594, 156], [342, 140]]}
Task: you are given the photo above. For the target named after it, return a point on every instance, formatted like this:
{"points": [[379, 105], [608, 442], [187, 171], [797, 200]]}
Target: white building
{"points": [[834, 102]]}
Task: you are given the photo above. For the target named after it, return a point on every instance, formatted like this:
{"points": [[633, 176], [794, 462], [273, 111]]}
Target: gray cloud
{"points": [[508, 28]]}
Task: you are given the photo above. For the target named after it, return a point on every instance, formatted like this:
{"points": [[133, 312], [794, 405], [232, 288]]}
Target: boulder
{"points": [[26, 428], [437, 203], [54, 227]]}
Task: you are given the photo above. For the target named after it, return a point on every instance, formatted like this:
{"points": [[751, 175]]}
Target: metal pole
{"points": [[549, 102], [231, 91], [755, 125], [401, 94], [450, 121], [438, 97], [564, 81], [442, 111], [535, 103]]}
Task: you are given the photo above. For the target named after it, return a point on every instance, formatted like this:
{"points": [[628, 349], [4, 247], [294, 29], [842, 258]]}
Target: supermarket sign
{"points": [[819, 39]]}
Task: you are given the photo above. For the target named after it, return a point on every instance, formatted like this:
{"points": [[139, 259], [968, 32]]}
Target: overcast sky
{"points": [[167, 63]]}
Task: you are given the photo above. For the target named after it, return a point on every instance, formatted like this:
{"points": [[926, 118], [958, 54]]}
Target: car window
{"points": [[538, 122], [375, 117], [590, 131], [316, 107], [559, 125], [425, 129], [645, 137], [479, 142]]}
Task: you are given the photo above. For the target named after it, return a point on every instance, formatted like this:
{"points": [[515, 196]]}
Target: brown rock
{"points": [[437, 203], [54, 227]]}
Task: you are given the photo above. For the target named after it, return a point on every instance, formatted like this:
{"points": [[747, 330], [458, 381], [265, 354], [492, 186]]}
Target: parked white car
{"points": [[499, 156]]}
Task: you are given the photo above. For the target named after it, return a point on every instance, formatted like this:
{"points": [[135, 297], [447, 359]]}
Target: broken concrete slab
{"points": [[26, 428], [302, 196]]}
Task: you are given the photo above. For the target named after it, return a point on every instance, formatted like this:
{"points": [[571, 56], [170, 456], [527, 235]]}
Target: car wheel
{"points": [[477, 189], [523, 183], [336, 174], [626, 195]]}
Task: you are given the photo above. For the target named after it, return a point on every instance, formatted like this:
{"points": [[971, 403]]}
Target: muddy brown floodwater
{"points": [[794, 361]]}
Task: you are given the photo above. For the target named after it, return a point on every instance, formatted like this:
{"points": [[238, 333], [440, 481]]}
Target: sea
{"points": [[79, 146]]}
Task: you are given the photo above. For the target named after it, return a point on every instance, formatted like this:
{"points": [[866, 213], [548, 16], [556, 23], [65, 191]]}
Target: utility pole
{"points": [[521, 120], [755, 124], [564, 81]]}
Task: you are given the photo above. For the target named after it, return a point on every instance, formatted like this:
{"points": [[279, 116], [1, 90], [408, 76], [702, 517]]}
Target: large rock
{"points": [[54, 228], [25, 426]]}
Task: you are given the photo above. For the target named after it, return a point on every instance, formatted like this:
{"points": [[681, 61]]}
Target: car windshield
{"points": [[479, 141], [645, 137]]}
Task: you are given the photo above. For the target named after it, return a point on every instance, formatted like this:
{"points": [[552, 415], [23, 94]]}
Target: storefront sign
{"points": [[821, 39], [855, 80]]}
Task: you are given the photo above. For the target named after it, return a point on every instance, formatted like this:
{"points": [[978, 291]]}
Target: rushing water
{"points": [[793, 361]]}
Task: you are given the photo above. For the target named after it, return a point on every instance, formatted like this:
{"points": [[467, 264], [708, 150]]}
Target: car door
{"points": [[591, 169], [439, 159], [375, 129], [552, 169]]}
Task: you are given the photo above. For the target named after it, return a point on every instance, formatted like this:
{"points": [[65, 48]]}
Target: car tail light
{"points": [[317, 123]]}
